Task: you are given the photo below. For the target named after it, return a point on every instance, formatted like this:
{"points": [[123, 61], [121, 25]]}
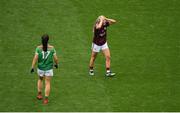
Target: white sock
{"points": [[108, 71]]}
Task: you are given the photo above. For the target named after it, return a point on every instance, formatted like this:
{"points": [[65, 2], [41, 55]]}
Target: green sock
{"points": [[46, 97]]}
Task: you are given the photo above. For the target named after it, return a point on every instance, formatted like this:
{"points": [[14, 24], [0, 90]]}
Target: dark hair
{"points": [[45, 39]]}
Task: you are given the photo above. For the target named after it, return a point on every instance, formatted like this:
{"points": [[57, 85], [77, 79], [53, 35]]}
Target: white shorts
{"points": [[42, 73], [97, 48]]}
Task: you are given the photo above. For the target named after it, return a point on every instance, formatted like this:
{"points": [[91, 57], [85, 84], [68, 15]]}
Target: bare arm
{"points": [[99, 25], [111, 21], [34, 60], [55, 59]]}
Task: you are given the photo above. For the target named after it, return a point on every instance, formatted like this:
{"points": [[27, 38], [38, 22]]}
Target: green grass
{"points": [[144, 44]]}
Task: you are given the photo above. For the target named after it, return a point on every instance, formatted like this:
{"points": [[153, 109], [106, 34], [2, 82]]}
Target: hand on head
{"points": [[102, 17]]}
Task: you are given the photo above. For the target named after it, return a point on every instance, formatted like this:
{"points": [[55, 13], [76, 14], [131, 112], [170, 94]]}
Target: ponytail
{"points": [[45, 39]]}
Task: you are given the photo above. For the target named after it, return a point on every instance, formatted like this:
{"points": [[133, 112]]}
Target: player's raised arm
{"points": [[111, 21], [34, 62], [99, 22]]}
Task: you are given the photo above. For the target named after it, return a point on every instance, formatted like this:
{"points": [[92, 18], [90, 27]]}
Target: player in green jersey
{"points": [[45, 55]]}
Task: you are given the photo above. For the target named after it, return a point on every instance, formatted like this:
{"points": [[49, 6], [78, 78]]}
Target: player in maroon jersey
{"points": [[100, 43]]}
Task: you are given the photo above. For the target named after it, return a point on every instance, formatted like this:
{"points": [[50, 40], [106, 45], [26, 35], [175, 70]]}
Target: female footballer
{"points": [[100, 43], [45, 54]]}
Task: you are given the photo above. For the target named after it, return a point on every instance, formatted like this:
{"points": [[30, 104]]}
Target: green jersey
{"points": [[45, 59]]}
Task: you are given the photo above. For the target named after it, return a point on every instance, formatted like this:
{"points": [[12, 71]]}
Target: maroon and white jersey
{"points": [[100, 34]]}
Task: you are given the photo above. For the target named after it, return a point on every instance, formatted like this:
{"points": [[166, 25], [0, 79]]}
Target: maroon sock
{"points": [[91, 68], [39, 93], [107, 69], [46, 97]]}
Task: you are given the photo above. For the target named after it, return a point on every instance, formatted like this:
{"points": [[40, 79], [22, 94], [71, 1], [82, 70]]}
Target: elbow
{"points": [[114, 21]]}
